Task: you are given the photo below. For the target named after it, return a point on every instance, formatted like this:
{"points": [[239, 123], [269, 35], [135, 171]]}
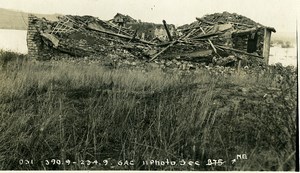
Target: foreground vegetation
{"points": [[81, 112]]}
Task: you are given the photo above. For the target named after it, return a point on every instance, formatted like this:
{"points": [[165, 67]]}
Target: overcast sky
{"points": [[280, 14]]}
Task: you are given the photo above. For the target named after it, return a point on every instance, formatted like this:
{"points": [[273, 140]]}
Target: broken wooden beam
{"points": [[156, 39], [167, 30], [115, 27], [166, 48], [199, 53], [204, 21], [212, 45], [242, 24], [226, 60], [239, 51], [134, 36], [191, 33], [119, 35], [163, 44], [52, 38], [162, 51], [207, 35], [246, 31]]}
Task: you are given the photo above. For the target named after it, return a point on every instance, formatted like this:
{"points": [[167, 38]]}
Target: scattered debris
{"points": [[218, 39]]}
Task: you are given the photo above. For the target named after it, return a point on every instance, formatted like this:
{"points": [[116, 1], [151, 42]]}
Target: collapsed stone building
{"points": [[221, 39]]}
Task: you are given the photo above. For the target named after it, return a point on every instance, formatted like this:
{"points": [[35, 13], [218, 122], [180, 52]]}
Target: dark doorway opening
{"points": [[252, 43]]}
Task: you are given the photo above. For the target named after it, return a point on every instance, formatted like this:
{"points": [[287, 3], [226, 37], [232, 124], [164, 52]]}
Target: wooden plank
{"points": [[162, 51], [114, 27], [246, 31], [52, 38], [239, 51], [166, 48], [204, 21], [242, 24], [239, 66], [163, 44], [192, 32], [196, 54], [167, 30], [266, 48], [119, 35], [212, 45], [207, 35], [134, 35]]}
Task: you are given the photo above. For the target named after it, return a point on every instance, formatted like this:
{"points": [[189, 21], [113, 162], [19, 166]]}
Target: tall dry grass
{"points": [[80, 111]]}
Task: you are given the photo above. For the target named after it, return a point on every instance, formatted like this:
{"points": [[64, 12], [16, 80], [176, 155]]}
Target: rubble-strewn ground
{"points": [[88, 110]]}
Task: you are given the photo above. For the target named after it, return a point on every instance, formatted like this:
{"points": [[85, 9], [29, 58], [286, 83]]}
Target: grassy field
{"points": [[81, 112]]}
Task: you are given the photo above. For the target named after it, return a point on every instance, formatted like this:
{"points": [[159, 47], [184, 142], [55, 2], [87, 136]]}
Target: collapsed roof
{"points": [[220, 38]]}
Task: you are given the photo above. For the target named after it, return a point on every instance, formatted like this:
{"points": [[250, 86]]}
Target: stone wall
{"points": [[34, 41], [241, 42], [37, 49]]}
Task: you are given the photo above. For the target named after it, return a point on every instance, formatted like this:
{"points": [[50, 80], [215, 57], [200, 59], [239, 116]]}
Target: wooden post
{"points": [[167, 30], [239, 66], [267, 42]]}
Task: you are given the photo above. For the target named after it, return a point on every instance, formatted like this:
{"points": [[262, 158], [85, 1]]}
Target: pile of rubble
{"points": [[220, 39]]}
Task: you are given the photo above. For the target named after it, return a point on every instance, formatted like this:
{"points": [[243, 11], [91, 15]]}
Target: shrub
{"points": [[7, 57]]}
